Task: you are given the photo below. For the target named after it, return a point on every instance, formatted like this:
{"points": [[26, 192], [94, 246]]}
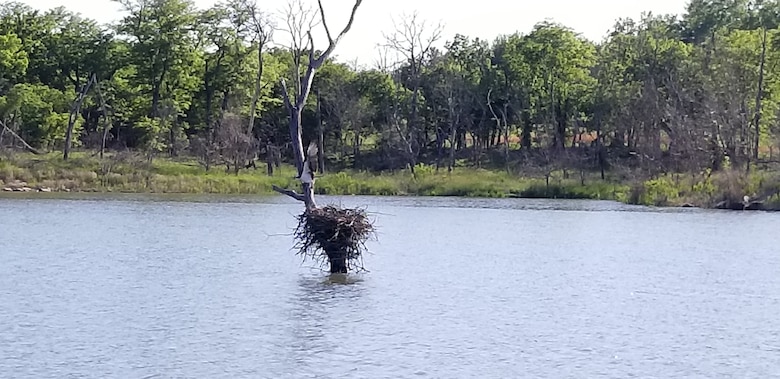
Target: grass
{"points": [[707, 189], [131, 173], [128, 173]]}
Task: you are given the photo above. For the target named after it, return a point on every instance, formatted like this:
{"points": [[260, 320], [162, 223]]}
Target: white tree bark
{"points": [[295, 103]]}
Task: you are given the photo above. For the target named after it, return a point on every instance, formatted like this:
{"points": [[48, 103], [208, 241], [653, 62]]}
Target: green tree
{"points": [[13, 61], [560, 64]]}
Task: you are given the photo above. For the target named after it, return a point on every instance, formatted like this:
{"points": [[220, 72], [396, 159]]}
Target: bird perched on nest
{"points": [[309, 164]]}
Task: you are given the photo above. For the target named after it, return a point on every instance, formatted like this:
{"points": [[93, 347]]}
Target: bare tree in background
{"points": [[261, 31], [234, 143], [413, 40]]}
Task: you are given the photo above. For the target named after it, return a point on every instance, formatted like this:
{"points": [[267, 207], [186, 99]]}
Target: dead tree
{"points": [[106, 120], [74, 114], [296, 100], [262, 33], [235, 146], [502, 124], [339, 233], [413, 40]]}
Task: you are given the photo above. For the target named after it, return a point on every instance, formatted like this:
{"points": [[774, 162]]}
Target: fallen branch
{"points": [[290, 193], [24, 143]]}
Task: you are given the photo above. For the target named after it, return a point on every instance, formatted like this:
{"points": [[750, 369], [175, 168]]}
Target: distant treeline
{"points": [[660, 94]]}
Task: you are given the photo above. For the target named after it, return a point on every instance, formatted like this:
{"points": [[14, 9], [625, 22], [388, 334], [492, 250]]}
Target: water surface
{"points": [[207, 287]]}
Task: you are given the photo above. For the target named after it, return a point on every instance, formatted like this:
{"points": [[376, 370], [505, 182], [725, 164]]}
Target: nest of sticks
{"points": [[335, 236]]}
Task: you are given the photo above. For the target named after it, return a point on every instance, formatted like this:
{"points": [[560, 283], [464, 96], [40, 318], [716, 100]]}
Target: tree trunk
{"points": [[320, 137], [74, 114], [601, 159], [526, 138], [209, 89], [504, 118], [338, 262], [269, 159], [356, 149], [297, 147], [759, 95], [106, 121], [156, 100], [453, 137], [560, 127]]}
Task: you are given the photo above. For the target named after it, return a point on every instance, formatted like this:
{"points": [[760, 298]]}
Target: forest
{"points": [[663, 103]]}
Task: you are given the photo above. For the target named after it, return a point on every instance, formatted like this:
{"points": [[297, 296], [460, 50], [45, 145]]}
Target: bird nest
{"points": [[335, 236]]}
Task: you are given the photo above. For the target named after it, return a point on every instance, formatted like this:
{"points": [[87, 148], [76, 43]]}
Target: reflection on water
{"points": [[317, 322], [208, 287]]}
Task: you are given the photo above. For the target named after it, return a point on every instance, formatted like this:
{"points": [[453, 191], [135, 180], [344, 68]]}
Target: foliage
{"points": [[669, 103]]}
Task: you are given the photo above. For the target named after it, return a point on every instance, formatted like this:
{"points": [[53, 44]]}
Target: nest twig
{"points": [[334, 236]]}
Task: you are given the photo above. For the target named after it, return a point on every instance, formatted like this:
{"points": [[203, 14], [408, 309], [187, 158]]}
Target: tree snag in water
{"points": [[331, 233], [334, 235]]}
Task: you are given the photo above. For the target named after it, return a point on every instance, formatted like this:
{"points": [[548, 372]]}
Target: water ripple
{"points": [[208, 287]]}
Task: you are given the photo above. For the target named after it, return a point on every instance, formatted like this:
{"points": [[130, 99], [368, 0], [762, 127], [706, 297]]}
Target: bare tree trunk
{"points": [[505, 127], [410, 156], [269, 158], [22, 141], [504, 118], [74, 114], [258, 88], [106, 121], [453, 136], [600, 157]]}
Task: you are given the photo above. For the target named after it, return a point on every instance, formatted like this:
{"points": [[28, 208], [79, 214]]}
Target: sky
{"points": [[485, 19]]}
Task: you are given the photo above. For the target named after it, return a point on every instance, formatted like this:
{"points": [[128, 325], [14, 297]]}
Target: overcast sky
{"points": [[484, 18]]}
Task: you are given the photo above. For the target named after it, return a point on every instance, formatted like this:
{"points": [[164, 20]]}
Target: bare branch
{"points": [[300, 21], [285, 94], [324, 24], [24, 143], [490, 106], [261, 24], [290, 193], [413, 39], [331, 42], [311, 46]]}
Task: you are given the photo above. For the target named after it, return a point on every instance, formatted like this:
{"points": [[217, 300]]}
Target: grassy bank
{"points": [[709, 190], [128, 173], [131, 173]]}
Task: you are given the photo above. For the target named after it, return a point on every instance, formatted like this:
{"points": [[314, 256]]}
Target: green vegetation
{"points": [[128, 173], [666, 110], [132, 173]]}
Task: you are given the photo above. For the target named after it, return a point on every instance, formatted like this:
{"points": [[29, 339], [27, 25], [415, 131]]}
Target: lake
{"points": [[111, 286]]}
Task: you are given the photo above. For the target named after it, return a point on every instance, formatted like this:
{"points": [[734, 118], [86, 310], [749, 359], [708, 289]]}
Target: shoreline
{"points": [[84, 174]]}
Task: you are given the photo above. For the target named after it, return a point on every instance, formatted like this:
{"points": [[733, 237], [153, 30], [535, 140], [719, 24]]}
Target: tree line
{"points": [[664, 93]]}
